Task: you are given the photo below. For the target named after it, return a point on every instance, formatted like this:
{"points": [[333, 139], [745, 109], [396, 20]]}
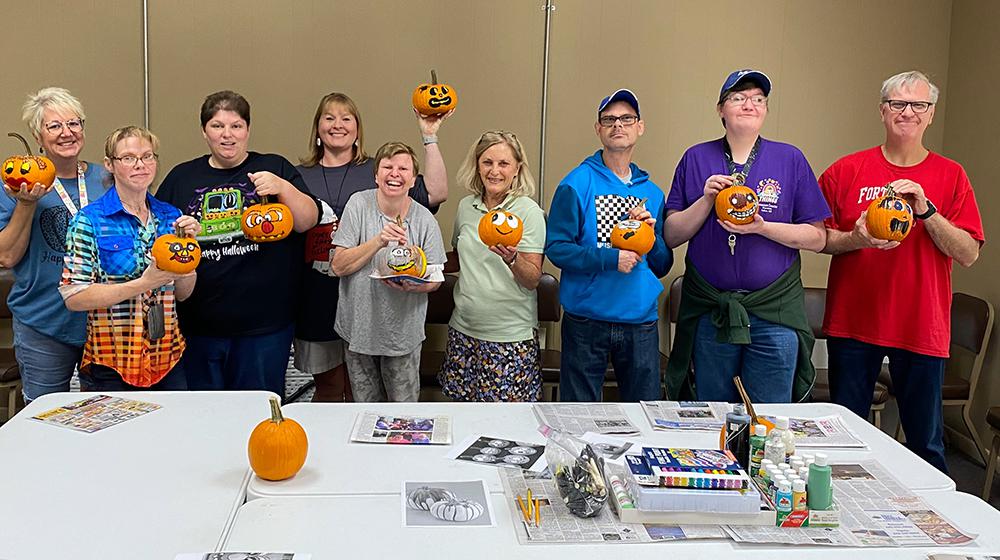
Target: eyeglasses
{"points": [[55, 127], [897, 106], [607, 121], [738, 99], [130, 160]]}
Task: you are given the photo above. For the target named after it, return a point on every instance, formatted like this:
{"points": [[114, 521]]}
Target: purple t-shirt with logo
{"points": [[788, 192]]}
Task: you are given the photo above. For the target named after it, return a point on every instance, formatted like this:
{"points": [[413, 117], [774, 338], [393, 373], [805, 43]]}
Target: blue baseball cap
{"points": [[620, 95], [742, 75]]}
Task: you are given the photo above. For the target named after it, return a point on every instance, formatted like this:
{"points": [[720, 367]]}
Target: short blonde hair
{"points": [[908, 79], [119, 134], [468, 174], [53, 98], [392, 149]]}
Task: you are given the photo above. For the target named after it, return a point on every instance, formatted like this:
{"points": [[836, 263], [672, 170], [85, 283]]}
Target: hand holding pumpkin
{"points": [[508, 254], [627, 260], [155, 277], [912, 192], [267, 183], [863, 238], [188, 225], [757, 225], [28, 194], [715, 184], [392, 232], [429, 124]]}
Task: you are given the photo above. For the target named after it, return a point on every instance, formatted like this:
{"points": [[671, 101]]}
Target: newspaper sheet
{"points": [[96, 413], [963, 557], [558, 525], [875, 510], [686, 415], [244, 556], [826, 431], [373, 427], [578, 419]]}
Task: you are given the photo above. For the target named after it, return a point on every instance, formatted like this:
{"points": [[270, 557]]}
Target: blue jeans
{"points": [[102, 378], [46, 364], [766, 365], [634, 350], [916, 382], [238, 363]]}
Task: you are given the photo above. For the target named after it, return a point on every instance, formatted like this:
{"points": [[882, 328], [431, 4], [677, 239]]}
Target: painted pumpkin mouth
{"points": [[183, 259], [628, 235], [502, 232], [741, 214], [439, 101], [900, 226]]}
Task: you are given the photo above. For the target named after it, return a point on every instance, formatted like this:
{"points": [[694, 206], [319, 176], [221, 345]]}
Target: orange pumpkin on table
{"points": [[267, 221], [27, 169], [736, 204], [175, 252], [499, 227], [278, 446], [890, 217], [434, 98], [633, 235]]}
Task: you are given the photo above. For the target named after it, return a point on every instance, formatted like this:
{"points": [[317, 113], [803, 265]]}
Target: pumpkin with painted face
{"points": [[407, 260], [434, 98], [27, 169], [177, 253], [499, 227], [633, 235], [267, 221], [736, 204], [890, 217]]}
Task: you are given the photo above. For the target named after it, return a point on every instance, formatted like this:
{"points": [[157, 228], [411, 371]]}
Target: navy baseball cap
{"points": [[620, 95], [742, 75]]}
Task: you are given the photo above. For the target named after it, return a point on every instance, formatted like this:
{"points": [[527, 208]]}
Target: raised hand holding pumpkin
{"points": [[28, 169], [434, 98]]}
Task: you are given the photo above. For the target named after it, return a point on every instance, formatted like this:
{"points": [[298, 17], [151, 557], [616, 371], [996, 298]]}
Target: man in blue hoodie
{"points": [[609, 295]]}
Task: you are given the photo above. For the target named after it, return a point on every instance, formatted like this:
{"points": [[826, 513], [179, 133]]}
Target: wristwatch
{"points": [[931, 210]]}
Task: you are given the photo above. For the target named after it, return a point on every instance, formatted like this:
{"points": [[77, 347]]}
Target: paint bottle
{"points": [[775, 482], [757, 441], [787, 437], [799, 498], [774, 448], [820, 484], [797, 464], [783, 499], [738, 434], [764, 474], [803, 473]]}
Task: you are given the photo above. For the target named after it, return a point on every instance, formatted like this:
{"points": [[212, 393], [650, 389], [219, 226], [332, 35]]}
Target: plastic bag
{"points": [[578, 471]]}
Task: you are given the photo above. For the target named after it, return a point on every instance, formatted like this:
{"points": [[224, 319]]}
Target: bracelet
{"points": [[512, 261], [430, 140]]}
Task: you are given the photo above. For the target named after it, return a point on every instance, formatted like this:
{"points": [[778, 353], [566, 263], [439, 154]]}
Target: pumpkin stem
{"points": [[889, 192], [276, 416], [27, 148], [434, 76]]}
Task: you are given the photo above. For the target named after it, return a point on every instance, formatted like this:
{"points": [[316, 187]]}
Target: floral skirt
{"points": [[481, 371]]}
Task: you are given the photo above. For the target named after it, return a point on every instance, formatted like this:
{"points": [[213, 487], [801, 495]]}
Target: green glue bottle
{"points": [[757, 439], [820, 495]]}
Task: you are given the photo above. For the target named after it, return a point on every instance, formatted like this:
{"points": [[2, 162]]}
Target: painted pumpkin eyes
{"points": [[512, 221], [255, 218], [498, 219], [25, 167], [176, 247], [9, 168], [898, 205]]}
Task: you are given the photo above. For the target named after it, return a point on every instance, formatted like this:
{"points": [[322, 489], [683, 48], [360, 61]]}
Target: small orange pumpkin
{"points": [[498, 227], [277, 446], [177, 253], [27, 169], [633, 235], [736, 204], [407, 260], [890, 217], [267, 221], [434, 98]]}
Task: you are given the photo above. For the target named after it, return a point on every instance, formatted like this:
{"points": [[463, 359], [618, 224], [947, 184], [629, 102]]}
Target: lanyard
{"points": [[81, 184], [740, 177]]}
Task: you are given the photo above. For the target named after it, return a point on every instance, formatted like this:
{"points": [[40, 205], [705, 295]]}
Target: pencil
{"points": [[524, 512], [538, 515], [531, 505]]}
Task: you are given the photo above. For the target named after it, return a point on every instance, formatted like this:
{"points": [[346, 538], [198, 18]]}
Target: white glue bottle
{"points": [[774, 448], [787, 437]]}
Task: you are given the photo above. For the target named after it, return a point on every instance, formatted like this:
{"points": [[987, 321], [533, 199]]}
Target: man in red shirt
{"points": [[893, 298]]}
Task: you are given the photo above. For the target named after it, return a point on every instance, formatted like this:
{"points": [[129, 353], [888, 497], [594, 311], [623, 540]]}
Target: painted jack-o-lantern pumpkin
{"points": [[26, 169], [175, 252], [633, 235], [454, 509], [890, 217], [267, 221], [736, 204], [278, 446], [407, 260], [434, 98], [498, 227]]}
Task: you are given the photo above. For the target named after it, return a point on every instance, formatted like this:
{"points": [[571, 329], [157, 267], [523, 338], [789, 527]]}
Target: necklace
{"points": [[340, 188], [740, 177]]}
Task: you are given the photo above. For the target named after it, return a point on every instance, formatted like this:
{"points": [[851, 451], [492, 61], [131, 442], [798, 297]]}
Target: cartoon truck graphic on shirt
{"points": [[220, 214]]}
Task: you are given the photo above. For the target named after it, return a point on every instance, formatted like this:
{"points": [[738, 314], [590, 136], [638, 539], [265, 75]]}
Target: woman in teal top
{"points": [[492, 352]]}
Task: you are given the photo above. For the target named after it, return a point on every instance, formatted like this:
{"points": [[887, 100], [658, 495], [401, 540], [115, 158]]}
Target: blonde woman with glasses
{"points": [[48, 338], [492, 352]]}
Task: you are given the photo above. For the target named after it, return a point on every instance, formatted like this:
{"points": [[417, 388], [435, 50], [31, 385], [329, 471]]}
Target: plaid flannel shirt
{"points": [[106, 244]]}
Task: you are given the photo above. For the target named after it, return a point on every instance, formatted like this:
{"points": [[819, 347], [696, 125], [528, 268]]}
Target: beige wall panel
{"points": [[971, 140], [94, 50], [285, 56]]}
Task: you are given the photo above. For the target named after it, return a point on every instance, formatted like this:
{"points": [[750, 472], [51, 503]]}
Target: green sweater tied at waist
{"points": [[782, 302]]}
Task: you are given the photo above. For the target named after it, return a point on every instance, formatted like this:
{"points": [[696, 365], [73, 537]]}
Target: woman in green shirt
{"points": [[492, 352]]}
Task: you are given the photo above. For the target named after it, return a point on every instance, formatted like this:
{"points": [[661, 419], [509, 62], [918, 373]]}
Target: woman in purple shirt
{"points": [[739, 286]]}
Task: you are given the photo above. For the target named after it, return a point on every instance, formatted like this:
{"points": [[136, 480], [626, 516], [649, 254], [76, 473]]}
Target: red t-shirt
{"points": [[900, 298]]}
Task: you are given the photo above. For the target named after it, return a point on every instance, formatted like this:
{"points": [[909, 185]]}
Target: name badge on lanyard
{"points": [[81, 184]]}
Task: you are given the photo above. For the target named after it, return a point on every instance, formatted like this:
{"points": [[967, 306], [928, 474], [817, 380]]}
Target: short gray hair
{"points": [[54, 98], [908, 79]]}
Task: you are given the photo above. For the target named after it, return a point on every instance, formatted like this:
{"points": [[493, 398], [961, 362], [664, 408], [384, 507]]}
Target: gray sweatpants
{"points": [[372, 377]]}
